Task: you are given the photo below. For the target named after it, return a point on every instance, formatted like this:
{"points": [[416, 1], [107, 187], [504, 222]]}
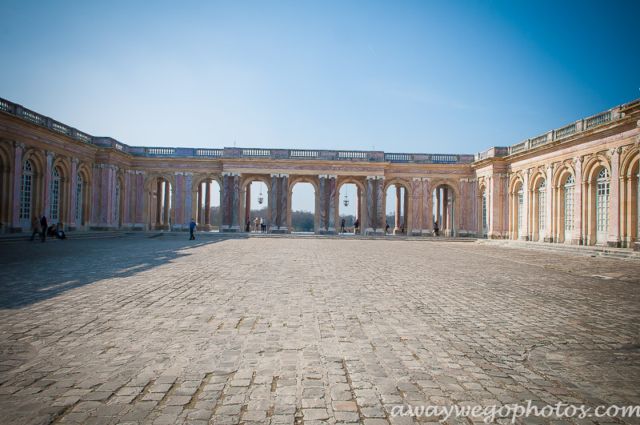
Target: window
{"points": [[26, 190], [79, 187], [602, 201], [484, 210], [55, 195], [542, 194], [569, 203]]}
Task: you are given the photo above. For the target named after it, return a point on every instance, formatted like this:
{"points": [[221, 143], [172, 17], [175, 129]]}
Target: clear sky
{"points": [[400, 76]]}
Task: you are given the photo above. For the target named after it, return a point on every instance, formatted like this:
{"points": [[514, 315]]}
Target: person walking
{"points": [[192, 227], [402, 228], [356, 226], [43, 224], [37, 228], [342, 223], [386, 229], [248, 226], [435, 228], [264, 225], [256, 223]]}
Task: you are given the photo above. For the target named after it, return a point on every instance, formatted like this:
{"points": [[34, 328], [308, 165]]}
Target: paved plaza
{"points": [[308, 330]]}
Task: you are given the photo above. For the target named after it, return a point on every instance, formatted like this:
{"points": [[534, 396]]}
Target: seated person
{"points": [[58, 232], [51, 230]]}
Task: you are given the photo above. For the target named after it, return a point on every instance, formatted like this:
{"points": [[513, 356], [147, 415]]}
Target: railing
{"points": [[83, 136], [5, 106], [303, 154], [352, 155], [540, 140], [60, 128], [397, 157], [160, 151], [518, 147], [597, 120], [444, 158], [209, 152], [565, 131], [33, 117], [256, 152]]}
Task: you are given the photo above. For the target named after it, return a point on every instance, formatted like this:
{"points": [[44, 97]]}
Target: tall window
{"points": [[26, 190], [520, 207], [55, 194], [602, 201], [484, 210], [568, 203], [79, 185], [542, 194]]}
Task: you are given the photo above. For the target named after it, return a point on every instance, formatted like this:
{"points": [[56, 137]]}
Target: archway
{"points": [[255, 204], [159, 202], [396, 208], [445, 209], [350, 206], [208, 214], [303, 216]]}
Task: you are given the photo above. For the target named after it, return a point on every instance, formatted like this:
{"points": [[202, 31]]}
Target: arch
{"points": [[315, 183], [84, 202], [450, 226], [596, 200], [629, 197], [153, 204], [401, 221], [362, 201], [198, 200], [245, 196], [563, 203]]}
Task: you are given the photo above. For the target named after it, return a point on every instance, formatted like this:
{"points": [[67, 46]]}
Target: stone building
{"points": [[577, 184]]}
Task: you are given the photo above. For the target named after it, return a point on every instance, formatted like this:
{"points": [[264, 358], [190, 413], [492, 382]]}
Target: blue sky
{"points": [[433, 77]]}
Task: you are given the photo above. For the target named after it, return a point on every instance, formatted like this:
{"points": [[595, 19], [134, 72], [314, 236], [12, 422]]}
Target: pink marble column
{"points": [[235, 204], [107, 197], [549, 206], [96, 182], [188, 189], [473, 206], [332, 204], [427, 210], [463, 204], [445, 210], [226, 196], [198, 217], [358, 204], [438, 218], [526, 225], [405, 210], [322, 203], [398, 212], [247, 204], [158, 202], [207, 202], [47, 184], [179, 201], [577, 203], [166, 200], [415, 207], [17, 187], [370, 204], [381, 221], [614, 216], [285, 207], [274, 202], [73, 193], [139, 199]]}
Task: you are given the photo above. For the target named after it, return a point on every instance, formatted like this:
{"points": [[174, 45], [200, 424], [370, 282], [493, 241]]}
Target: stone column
{"points": [[473, 207], [188, 210], [73, 193], [445, 206], [107, 198], [405, 211], [322, 204], [166, 200], [396, 229], [416, 204], [427, 210], [381, 222], [614, 216], [273, 199], [358, 205], [226, 202], [95, 193], [139, 225], [207, 205], [283, 211], [199, 218], [548, 215], [438, 217], [369, 229], [236, 202], [178, 218], [126, 207], [47, 185], [526, 195], [247, 205], [332, 205], [16, 225], [158, 202]]}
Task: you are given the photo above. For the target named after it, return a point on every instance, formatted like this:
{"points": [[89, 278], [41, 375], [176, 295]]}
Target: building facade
{"points": [[577, 184]]}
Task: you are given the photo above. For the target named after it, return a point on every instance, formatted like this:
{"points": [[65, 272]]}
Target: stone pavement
{"points": [[284, 331]]}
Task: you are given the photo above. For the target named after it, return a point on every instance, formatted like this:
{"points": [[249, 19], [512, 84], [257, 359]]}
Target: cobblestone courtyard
{"points": [[284, 330]]}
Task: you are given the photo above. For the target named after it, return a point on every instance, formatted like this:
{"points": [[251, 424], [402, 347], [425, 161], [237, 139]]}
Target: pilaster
{"points": [[16, 225]]}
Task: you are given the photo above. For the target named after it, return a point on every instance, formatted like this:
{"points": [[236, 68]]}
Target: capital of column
{"points": [[614, 151], [463, 180], [371, 177], [426, 179], [52, 154], [188, 174], [323, 176], [332, 176], [140, 172], [75, 160], [18, 144], [275, 175], [179, 173], [284, 175], [416, 179]]}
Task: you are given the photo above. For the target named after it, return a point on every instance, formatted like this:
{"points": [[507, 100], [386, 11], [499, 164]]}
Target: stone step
{"points": [[24, 237], [587, 251]]}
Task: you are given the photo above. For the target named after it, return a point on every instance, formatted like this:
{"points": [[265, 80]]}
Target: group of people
{"points": [[258, 224], [356, 226], [40, 227]]}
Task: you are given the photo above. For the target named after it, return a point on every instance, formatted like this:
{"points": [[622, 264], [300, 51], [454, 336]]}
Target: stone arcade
{"points": [[577, 184]]}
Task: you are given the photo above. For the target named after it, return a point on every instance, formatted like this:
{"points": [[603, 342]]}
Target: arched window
{"points": [[79, 187], [569, 203], [484, 211], [602, 205], [542, 195], [26, 191], [520, 208], [55, 194]]}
